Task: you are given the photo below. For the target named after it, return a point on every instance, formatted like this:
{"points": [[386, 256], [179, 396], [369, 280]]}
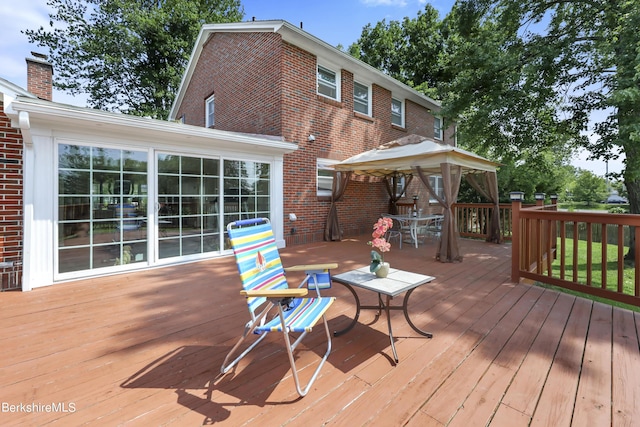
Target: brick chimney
{"points": [[40, 76]]}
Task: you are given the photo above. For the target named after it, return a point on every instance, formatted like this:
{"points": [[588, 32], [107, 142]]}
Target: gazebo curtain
{"points": [[448, 250], [332, 227], [391, 183], [487, 185]]}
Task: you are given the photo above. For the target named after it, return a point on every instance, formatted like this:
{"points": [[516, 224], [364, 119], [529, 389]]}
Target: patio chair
{"points": [[434, 228], [399, 230], [273, 306]]}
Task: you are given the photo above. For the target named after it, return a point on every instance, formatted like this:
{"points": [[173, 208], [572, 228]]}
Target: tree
{"points": [[543, 76], [589, 188], [407, 51], [127, 55], [564, 67], [437, 57]]}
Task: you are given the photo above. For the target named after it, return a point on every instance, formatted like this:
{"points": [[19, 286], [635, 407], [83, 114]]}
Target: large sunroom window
{"points": [[194, 211], [102, 207]]}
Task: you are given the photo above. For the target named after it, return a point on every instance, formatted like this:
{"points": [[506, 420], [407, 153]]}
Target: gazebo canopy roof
{"points": [[404, 154]]}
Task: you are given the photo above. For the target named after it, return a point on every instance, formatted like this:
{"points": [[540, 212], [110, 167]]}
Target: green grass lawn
{"points": [[596, 270]]}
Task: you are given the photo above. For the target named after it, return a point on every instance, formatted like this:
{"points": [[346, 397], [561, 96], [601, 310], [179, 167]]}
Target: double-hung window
{"points": [[361, 98], [397, 112], [324, 177], [210, 111], [436, 183], [437, 127], [328, 83]]}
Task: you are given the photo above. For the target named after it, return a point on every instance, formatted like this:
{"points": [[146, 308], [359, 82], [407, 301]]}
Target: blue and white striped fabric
{"points": [[260, 268], [303, 315]]}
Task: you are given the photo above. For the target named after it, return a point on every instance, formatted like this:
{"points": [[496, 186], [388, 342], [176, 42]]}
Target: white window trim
{"points": [[402, 109], [338, 81], [210, 119], [400, 186], [437, 185], [436, 134], [369, 108], [324, 164]]}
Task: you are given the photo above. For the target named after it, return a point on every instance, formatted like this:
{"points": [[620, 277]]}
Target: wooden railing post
{"points": [[516, 204]]}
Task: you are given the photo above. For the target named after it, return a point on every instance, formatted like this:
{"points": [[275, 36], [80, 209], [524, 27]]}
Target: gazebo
{"points": [[415, 155]]}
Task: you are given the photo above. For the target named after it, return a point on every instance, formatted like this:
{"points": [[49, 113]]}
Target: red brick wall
{"points": [[40, 78], [243, 71], [264, 85], [11, 224]]}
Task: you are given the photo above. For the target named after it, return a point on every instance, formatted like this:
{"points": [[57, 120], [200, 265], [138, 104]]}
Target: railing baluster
{"points": [[604, 246], [620, 258], [589, 254], [575, 251]]}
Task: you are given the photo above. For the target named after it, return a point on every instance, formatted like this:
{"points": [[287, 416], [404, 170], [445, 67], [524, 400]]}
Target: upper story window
{"points": [[437, 127], [328, 83], [361, 98], [397, 112], [210, 111]]}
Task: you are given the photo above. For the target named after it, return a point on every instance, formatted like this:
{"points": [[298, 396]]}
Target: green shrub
{"points": [[617, 210]]}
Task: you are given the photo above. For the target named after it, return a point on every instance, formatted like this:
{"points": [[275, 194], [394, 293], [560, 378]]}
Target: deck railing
{"points": [[473, 219], [577, 250]]}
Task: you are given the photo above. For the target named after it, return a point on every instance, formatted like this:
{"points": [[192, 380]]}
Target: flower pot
{"points": [[383, 270]]}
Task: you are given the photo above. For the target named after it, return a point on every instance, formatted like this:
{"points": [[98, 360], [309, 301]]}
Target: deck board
{"points": [[145, 348]]}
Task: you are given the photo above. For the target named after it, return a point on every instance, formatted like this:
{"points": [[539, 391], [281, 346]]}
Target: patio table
{"points": [[413, 222], [396, 283]]}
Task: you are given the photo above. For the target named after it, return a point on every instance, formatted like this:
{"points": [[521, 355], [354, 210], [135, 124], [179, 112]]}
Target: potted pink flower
{"points": [[379, 242]]}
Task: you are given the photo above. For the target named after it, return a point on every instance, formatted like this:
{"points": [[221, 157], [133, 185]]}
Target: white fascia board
{"points": [[10, 91], [62, 116]]}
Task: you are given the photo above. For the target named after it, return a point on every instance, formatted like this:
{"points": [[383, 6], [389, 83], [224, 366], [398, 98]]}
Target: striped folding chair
{"points": [[273, 306]]}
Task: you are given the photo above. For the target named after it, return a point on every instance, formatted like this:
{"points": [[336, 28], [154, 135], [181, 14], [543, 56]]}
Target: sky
{"points": [[333, 21]]}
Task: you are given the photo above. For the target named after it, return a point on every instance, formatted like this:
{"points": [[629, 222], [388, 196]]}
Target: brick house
{"points": [[11, 190], [87, 193], [263, 111], [272, 78]]}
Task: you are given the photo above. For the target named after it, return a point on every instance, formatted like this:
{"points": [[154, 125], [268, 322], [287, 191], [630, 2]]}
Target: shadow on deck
{"points": [[145, 348]]}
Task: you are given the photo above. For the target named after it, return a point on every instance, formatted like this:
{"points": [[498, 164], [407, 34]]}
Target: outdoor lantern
{"points": [[516, 196], [553, 197], [539, 196]]}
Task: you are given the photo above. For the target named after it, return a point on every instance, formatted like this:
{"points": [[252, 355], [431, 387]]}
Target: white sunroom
{"points": [[106, 192]]}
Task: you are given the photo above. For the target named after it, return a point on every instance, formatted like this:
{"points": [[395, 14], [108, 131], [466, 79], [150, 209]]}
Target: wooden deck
{"points": [[145, 349]]}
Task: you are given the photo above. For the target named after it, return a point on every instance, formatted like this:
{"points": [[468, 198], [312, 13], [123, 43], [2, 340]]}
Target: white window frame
{"points": [[319, 81], [401, 102], [357, 101], [437, 127], [209, 108], [324, 165], [400, 186], [437, 185]]}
